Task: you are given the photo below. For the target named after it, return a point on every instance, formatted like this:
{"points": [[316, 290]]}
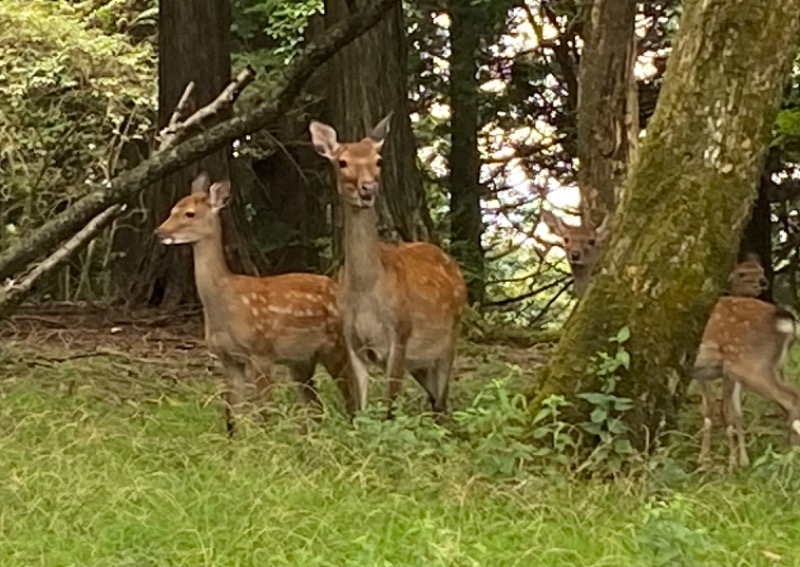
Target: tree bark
{"points": [[683, 208], [366, 81], [608, 114], [194, 46], [125, 186], [467, 25]]}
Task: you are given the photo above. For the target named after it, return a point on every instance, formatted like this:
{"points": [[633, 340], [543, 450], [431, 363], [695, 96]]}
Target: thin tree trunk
{"points": [[608, 113], [467, 25], [683, 208], [366, 81], [194, 45]]}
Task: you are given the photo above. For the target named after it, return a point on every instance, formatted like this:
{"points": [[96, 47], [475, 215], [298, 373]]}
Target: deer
{"points": [[745, 342], [401, 303], [581, 245], [252, 323]]}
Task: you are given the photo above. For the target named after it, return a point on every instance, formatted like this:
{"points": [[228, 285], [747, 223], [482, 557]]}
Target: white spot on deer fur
{"points": [[796, 426], [245, 300]]}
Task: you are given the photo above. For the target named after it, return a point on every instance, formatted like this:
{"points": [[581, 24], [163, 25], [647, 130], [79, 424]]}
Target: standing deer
{"points": [[251, 322], [400, 304], [581, 244], [745, 343]]}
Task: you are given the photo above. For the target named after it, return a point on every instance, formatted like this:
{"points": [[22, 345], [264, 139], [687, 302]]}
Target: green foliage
{"points": [[606, 421], [70, 96], [114, 461]]}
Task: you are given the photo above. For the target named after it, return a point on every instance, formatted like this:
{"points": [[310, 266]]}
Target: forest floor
{"points": [[113, 453]]}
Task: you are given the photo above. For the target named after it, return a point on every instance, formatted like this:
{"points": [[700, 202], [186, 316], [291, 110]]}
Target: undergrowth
{"points": [[108, 463]]}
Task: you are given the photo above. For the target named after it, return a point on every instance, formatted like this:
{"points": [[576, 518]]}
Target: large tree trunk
{"points": [[193, 46], [467, 25], [608, 114], [683, 208], [367, 80]]}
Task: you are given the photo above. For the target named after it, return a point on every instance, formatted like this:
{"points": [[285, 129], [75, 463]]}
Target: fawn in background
{"points": [[400, 304], [252, 322], [745, 343]]}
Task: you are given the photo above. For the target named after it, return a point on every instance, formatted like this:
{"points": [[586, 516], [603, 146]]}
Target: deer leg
{"points": [[732, 409], [337, 366], [303, 375], [769, 385], [707, 405], [360, 380], [260, 376], [234, 394], [443, 372], [395, 368]]}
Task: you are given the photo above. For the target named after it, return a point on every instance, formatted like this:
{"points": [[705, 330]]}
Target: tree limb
{"points": [[127, 184], [13, 292]]}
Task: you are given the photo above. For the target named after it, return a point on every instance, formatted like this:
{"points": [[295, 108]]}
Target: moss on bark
{"points": [[683, 207]]}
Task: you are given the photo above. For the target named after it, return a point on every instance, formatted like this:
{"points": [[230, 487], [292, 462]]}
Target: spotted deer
{"points": [[252, 322], [581, 245], [400, 303], [745, 343]]}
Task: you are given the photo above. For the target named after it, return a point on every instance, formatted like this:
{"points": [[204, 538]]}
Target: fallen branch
{"points": [[13, 292], [179, 128], [126, 185]]}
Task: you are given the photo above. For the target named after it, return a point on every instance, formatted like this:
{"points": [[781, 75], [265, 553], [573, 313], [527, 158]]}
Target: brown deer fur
{"points": [[744, 343], [401, 304], [251, 322]]}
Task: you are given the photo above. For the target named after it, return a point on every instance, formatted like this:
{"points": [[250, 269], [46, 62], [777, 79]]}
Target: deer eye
{"points": [[566, 240], [591, 242], [379, 163], [189, 214], [342, 163]]}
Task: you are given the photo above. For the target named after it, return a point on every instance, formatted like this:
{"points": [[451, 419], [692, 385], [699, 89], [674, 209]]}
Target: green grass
{"points": [[109, 463]]}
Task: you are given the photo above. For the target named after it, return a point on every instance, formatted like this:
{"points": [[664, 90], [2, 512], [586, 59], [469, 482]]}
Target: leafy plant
{"points": [[605, 420]]}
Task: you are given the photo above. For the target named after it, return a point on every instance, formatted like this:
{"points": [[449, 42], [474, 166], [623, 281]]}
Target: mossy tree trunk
{"points": [[608, 111], [683, 207]]}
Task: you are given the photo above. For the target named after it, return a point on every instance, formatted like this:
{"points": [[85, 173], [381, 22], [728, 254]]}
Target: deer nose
{"points": [[574, 256], [368, 189], [763, 282]]}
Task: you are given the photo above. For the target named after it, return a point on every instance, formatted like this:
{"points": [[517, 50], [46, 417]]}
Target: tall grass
{"points": [[103, 464]]}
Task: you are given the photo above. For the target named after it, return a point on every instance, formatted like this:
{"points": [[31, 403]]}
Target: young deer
{"points": [[253, 322], [747, 278], [581, 244], [400, 304], [745, 343]]}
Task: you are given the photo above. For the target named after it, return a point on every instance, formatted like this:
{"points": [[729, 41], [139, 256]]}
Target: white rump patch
{"points": [[785, 326]]}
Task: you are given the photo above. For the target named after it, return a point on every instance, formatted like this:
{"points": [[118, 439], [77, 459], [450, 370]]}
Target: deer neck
{"points": [[210, 268], [362, 265], [581, 274]]}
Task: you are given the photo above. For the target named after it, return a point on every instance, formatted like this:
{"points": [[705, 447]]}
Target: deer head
{"points": [[357, 164], [747, 278], [581, 244], [196, 216]]}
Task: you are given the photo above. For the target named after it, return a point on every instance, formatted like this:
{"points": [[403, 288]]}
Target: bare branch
{"points": [[13, 292]]}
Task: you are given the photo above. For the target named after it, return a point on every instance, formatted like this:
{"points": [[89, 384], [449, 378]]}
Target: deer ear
{"points": [[324, 139], [604, 228], [554, 223], [218, 195], [201, 184], [381, 130]]}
